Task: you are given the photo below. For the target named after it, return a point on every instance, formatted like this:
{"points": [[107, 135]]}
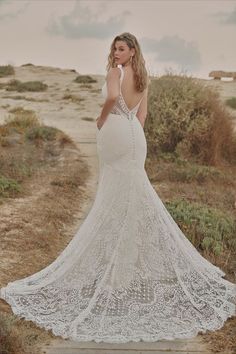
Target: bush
{"points": [[231, 102], [27, 64], [6, 70], [208, 228], [42, 133], [22, 119], [188, 119], [33, 86], [188, 172], [73, 98], [8, 186], [84, 79]]}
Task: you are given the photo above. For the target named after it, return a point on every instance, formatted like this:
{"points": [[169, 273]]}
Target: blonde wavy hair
{"points": [[138, 63]]}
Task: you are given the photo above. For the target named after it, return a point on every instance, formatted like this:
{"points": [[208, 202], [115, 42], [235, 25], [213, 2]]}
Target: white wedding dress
{"points": [[129, 273]]}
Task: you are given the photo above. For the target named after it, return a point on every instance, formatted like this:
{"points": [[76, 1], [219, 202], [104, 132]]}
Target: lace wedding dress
{"points": [[129, 273]]}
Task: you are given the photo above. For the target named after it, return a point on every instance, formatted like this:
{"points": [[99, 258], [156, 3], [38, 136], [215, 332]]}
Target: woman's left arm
{"points": [[113, 88]]}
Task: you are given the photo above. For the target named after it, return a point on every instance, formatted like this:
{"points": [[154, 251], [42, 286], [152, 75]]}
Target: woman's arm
{"points": [[113, 90]]}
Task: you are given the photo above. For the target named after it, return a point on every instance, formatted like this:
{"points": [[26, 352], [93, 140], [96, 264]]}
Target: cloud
{"points": [[12, 9], [228, 18], [82, 22], [174, 49]]}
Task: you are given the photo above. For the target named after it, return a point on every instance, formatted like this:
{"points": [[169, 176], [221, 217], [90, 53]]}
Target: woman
{"points": [[129, 273]]}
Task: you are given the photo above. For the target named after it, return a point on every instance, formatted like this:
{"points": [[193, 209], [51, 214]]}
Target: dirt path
{"points": [[191, 346]]}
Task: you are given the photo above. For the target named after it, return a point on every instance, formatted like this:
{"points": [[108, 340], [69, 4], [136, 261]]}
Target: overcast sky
{"points": [[188, 36]]}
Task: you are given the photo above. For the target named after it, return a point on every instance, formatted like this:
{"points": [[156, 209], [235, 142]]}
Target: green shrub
{"points": [[188, 119], [8, 186], [185, 171], [6, 70], [33, 86], [42, 133], [84, 79], [231, 102], [27, 64], [207, 228]]}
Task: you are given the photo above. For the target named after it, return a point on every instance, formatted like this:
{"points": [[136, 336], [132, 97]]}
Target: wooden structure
{"points": [[217, 75]]}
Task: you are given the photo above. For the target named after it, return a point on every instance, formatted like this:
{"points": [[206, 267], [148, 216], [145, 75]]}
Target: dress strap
{"points": [[122, 74]]}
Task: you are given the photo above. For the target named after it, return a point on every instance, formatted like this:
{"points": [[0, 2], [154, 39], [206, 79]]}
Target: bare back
{"points": [[130, 95]]}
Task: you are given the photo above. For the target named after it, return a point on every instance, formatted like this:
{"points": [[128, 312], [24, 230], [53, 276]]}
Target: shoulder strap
{"points": [[122, 74]]}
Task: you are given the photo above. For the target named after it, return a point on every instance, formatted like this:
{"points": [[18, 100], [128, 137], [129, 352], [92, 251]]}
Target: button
{"points": [[131, 115]]}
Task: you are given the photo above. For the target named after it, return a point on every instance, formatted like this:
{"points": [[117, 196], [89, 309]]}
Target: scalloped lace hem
{"points": [[119, 338]]}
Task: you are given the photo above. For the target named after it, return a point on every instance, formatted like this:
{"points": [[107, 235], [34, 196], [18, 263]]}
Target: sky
{"points": [[191, 37]]}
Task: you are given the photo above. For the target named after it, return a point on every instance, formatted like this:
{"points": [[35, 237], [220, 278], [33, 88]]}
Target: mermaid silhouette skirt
{"points": [[129, 273]]}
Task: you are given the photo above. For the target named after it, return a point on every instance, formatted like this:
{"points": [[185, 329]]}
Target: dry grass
{"points": [[86, 86], [27, 124], [18, 336], [72, 98], [20, 97], [35, 224], [222, 341]]}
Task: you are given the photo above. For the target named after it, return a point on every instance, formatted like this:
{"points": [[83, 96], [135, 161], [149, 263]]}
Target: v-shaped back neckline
{"points": [[121, 79]]}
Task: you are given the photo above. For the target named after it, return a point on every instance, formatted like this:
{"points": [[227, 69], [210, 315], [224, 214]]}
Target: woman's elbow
{"points": [[112, 98]]}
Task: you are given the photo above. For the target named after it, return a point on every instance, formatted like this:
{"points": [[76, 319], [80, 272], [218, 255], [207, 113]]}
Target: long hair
{"points": [[138, 62]]}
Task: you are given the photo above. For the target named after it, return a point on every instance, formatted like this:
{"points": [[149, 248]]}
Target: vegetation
{"points": [[20, 97], [8, 186], [21, 119], [40, 184], [84, 79], [191, 162], [87, 86], [32, 86], [191, 140], [6, 70], [231, 102], [27, 64], [22, 129], [187, 118], [44, 133], [72, 98], [209, 228]]}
